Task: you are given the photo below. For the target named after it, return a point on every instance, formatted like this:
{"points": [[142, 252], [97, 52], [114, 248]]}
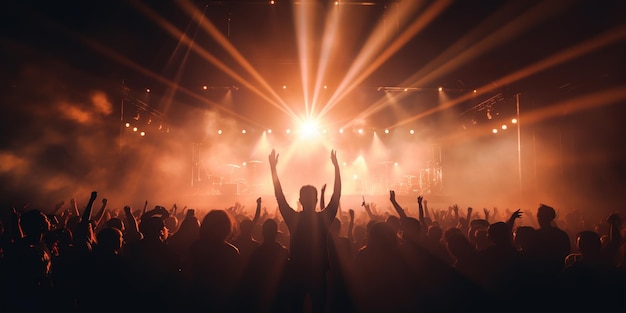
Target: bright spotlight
{"points": [[205, 87], [134, 129], [284, 86], [323, 131], [272, 2], [148, 90], [309, 128], [504, 127], [127, 124], [244, 163], [411, 132], [325, 87], [142, 134], [495, 130], [360, 131], [341, 130], [514, 121], [269, 131], [288, 131], [355, 176], [475, 91], [440, 88], [386, 131], [395, 164], [243, 131], [219, 131]]}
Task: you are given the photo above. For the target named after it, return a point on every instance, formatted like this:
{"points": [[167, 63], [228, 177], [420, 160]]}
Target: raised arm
{"points": [[285, 210], [87, 213], [399, 209], [331, 210], [421, 208], [257, 212], [100, 213], [322, 201], [351, 226]]}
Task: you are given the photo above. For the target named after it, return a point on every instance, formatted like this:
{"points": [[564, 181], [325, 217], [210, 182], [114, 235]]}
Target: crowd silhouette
{"points": [[318, 258]]}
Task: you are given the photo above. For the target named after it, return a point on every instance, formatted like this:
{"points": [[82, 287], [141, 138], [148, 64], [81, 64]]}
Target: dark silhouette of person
{"points": [[181, 241], [263, 284], [244, 242], [215, 266], [308, 242]]}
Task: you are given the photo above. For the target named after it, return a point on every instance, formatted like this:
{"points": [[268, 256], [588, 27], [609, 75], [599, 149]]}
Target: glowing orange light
{"points": [[440, 88], [205, 87], [475, 91], [134, 129], [272, 2], [219, 131], [514, 121], [361, 131], [386, 131], [142, 134], [269, 131], [243, 131], [288, 131], [148, 90], [411, 132], [495, 130], [127, 124], [504, 127], [284, 86], [395, 164], [341, 131]]}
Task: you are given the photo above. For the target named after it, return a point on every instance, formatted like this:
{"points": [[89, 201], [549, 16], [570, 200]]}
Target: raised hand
{"points": [[273, 159], [333, 157], [420, 200], [392, 196], [351, 213], [258, 201]]}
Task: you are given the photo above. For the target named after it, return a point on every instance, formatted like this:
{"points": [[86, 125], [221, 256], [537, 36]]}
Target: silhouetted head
{"points": [[434, 233], [216, 226], [116, 222], [382, 236], [171, 222], [245, 227], [411, 229], [499, 234], [109, 240], [308, 198], [34, 225], [153, 228], [523, 237], [589, 243], [545, 215], [270, 230]]}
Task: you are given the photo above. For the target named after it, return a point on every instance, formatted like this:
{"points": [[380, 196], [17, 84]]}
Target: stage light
{"points": [[288, 131], [127, 124], [244, 163], [284, 86], [205, 87], [514, 121], [411, 132], [149, 120], [495, 130], [386, 131], [309, 129], [269, 131], [406, 89], [272, 2], [336, 2], [360, 131], [440, 88], [142, 134], [219, 131], [134, 129], [395, 164], [504, 127], [341, 130], [475, 91], [323, 131], [325, 87], [148, 90], [355, 176], [243, 131], [489, 116]]}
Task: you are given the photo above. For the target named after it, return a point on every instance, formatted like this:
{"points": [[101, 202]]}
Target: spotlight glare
{"points": [[325, 87], [514, 121], [148, 90], [386, 131], [440, 88], [395, 164], [495, 130], [134, 129], [127, 124], [355, 176], [504, 127], [244, 163], [272, 2], [288, 131], [284, 86], [341, 130], [309, 129], [142, 134], [219, 131], [269, 131], [411, 132], [360, 131], [323, 131], [205, 87], [475, 91], [243, 131]]}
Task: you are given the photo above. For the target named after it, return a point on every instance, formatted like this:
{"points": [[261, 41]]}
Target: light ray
{"points": [[459, 54], [602, 40]]}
